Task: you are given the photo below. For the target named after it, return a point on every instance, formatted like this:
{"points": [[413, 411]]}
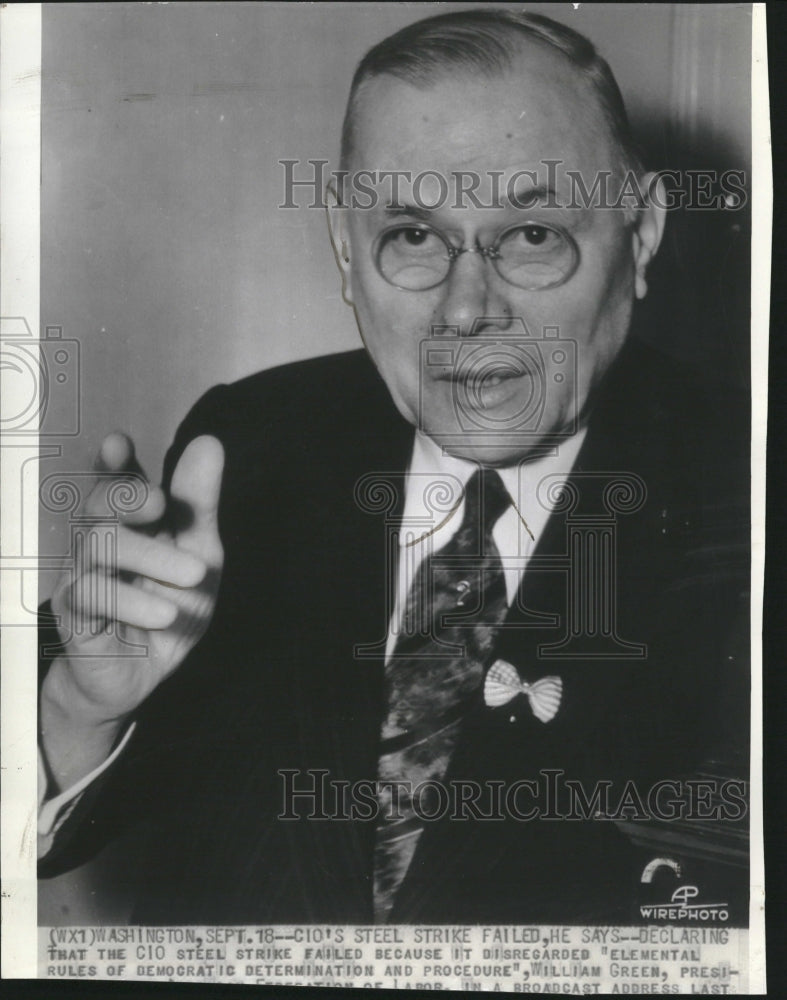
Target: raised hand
{"points": [[159, 594]]}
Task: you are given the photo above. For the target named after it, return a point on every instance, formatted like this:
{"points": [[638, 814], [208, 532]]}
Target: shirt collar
{"points": [[434, 501], [430, 463]]}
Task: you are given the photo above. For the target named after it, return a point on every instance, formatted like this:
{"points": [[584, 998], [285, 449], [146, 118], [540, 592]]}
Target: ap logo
{"points": [[684, 893]]}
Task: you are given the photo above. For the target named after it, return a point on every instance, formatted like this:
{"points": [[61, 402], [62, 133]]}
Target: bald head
{"points": [[487, 44]]}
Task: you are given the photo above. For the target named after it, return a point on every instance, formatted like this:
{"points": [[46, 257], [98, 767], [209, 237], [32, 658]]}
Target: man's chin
{"points": [[491, 451]]}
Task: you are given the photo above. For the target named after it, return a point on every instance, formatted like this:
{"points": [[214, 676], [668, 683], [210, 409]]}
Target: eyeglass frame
{"points": [[490, 252]]}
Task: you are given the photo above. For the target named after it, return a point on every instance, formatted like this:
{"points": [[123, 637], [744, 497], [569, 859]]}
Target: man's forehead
{"points": [[539, 108]]}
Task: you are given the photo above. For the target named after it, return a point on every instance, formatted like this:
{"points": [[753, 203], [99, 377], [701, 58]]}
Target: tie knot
{"points": [[486, 500]]}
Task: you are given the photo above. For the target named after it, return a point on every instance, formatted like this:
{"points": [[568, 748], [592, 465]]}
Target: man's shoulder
{"points": [[310, 409], [686, 433], [313, 371], [654, 398], [330, 381], [320, 389]]}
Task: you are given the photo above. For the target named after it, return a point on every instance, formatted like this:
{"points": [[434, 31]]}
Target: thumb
{"points": [[196, 483]]}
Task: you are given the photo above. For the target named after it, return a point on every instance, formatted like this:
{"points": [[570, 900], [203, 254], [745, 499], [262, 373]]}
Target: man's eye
{"points": [[535, 256], [533, 238], [535, 234], [415, 237], [412, 240], [412, 257]]}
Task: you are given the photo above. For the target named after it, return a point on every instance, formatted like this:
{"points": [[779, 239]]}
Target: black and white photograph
{"points": [[383, 452]]}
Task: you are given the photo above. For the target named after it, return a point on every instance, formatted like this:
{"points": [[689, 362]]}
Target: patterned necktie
{"points": [[455, 604]]}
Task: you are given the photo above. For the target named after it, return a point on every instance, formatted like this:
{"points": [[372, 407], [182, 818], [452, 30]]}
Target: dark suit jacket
{"points": [[275, 683]]}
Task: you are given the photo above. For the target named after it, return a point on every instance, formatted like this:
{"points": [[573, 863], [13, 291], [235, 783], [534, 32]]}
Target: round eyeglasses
{"points": [[530, 255]]}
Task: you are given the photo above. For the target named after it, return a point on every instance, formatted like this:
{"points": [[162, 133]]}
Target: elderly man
{"points": [[413, 625]]}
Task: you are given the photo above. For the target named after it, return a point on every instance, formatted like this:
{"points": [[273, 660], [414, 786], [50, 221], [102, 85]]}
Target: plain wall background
{"points": [[164, 252]]}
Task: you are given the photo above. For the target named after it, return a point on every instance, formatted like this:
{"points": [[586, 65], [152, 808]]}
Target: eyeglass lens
{"points": [[531, 256]]}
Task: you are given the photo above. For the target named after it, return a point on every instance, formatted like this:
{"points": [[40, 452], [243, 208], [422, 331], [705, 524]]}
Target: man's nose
{"points": [[475, 299]]}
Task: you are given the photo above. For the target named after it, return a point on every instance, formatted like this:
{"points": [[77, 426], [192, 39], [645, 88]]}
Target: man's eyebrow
{"points": [[520, 198], [411, 211], [528, 196]]}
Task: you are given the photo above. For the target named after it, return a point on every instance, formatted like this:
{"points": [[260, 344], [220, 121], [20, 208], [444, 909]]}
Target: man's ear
{"points": [[340, 239], [648, 230]]}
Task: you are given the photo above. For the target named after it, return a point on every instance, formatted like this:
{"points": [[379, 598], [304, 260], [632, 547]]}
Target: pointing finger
{"points": [[117, 454], [122, 489]]}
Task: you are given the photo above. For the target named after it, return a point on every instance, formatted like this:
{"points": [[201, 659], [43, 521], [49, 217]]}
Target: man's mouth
{"points": [[488, 380], [485, 388], [477, 377]]}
